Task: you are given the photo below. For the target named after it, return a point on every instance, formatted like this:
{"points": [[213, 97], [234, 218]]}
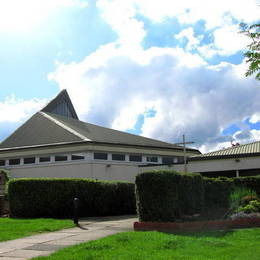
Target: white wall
{"points": [[213, 165], [101, 171]]}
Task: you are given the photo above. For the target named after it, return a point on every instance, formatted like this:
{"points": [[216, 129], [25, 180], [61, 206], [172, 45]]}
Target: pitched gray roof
{"points": [[57, 123], [47, 129], [38, 130], [244, 150]]}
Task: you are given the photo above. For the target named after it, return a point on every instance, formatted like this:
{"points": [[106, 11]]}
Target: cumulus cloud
{"points": [[14, 111], [198, 101], [226, 41], [120, 81]]}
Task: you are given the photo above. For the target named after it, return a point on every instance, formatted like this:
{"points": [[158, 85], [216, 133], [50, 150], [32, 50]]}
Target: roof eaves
{"points": [[88, 142]]}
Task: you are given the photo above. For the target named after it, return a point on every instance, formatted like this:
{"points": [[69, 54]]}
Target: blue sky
{"points": [[156, 68]]}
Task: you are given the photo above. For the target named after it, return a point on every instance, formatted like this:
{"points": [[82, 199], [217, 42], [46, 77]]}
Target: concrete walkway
{"points": [[47, 243]]}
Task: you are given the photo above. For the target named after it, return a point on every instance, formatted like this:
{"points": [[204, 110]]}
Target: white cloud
{"points": [[196, 100], [239, 137], [13, 109], [255, 118], [120, 15], [218, 16], [120, 80], [193, 41], [214, 13], [226, 41]]}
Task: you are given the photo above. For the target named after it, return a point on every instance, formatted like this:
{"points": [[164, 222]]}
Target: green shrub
{"points": [[245, 200], [252, 183], [217, 192], [48, 197], [166, 195], [191, 193], [239, 195], [252, 207]]}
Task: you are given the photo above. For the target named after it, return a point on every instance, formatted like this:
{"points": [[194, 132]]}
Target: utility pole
{"points": [[184, 151]]}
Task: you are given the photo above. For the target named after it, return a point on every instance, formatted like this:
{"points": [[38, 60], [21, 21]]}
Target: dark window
{"points": [[14, 161], [45, 159], [75, 157], [167, 160], [152, 159], [135, 158], [61, 158], [118, 157], [100, 156], [175, 160], [2, 162], [29, 160]]}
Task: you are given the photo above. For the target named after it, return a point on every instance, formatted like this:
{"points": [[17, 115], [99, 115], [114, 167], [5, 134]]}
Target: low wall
{"points": [[197, 226]]}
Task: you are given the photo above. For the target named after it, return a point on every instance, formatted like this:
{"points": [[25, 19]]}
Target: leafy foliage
{"points": [[54, 197], [250, 182], [239, 196], [217, 192], [253, 54], [166, 195], [252, 207]]}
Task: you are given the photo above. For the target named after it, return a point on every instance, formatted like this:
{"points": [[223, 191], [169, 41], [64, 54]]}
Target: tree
{"points": [[253, 54]]}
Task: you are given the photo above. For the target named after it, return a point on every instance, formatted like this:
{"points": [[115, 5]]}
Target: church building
{"points": [[55, 143]]}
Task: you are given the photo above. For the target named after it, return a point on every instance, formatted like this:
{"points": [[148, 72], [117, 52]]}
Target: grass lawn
{"points": [[240, 244], [11, 228]]}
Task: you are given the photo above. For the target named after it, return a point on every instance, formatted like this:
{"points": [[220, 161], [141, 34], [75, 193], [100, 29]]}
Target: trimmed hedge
{"points": [[48, 197], [217, 192], [251, 182], [166, 195]]}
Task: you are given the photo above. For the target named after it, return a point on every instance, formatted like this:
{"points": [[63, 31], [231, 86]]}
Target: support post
{"points": [[75, 211], [184, 154]]}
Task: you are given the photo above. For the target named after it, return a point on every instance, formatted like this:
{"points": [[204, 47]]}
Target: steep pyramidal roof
{"points": [[61, 105], [58, 124]]}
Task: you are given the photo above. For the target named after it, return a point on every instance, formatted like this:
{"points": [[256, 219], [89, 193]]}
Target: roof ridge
{"points": [[67, 128], [130, 134]]}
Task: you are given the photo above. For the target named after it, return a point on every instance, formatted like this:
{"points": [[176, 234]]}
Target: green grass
{"points": [[11, 228], [240, 244]]}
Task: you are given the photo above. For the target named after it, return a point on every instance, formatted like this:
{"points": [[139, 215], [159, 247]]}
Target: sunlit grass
{"points": [[11, 228], [239, 244]]}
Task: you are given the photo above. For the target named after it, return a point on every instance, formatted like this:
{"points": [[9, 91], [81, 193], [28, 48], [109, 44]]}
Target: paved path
{"points": [[47, 243]]}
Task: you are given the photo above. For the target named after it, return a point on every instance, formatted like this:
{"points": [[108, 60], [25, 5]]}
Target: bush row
{"points": [[167, 195], [54, 197]]}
